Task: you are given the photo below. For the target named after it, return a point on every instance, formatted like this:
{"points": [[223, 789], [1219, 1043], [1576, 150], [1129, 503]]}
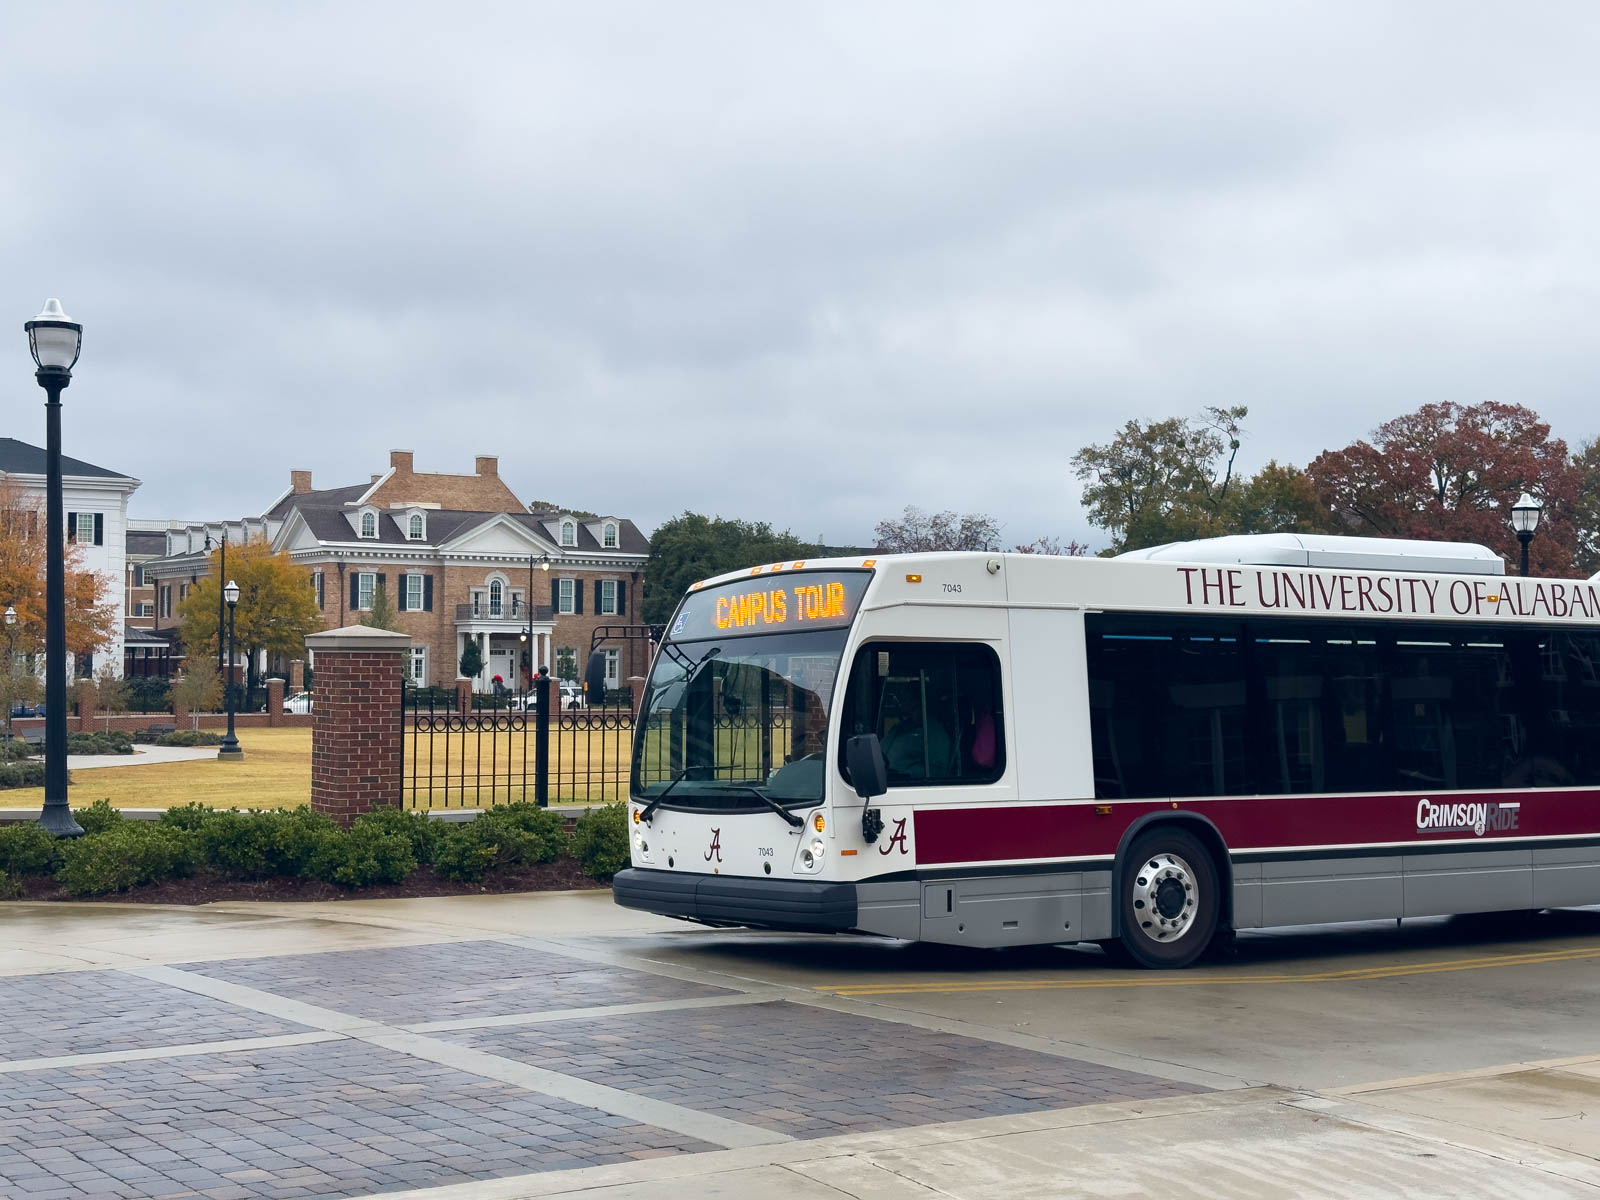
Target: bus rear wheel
{"points": [[1169, 899]]}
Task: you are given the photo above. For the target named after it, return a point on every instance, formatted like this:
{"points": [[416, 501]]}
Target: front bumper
{"points": [[799, 905]]}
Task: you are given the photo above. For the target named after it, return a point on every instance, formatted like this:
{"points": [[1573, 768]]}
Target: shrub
{"points": [[29, 773], [188, 816], [362, 856], [124, 856], [26, 849], [10, 888], [253, 845], [508, 835], [149, 693], [417, 828], [99, 743], [98, 817], [16, 749], [600, 841], [462, 854], [190, 737]]}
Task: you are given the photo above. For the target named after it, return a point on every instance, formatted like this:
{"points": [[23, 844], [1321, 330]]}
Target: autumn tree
{"points": [[1053, 545], [918, 532], [199, 688], [1276, 499], [91, 609], [277, 606], [1451, 472], [1586, 510], [692, 547], [1162, 481]]}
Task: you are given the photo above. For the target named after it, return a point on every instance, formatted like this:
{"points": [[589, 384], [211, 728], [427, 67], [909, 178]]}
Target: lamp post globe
{"points": [[1525, 522], [230, 750], [54, 340]]}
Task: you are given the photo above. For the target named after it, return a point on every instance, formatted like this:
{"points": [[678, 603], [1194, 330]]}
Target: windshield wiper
{"points": [[644, 815], [783, 812]]}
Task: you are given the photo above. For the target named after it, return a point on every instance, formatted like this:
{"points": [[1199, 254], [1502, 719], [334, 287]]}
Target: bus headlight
{"points": [[641, 848], [811, 855]]}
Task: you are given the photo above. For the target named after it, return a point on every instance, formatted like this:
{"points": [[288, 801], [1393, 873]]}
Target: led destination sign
{"points": [[772, 603]]}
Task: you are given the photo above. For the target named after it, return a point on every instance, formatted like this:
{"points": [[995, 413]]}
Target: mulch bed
{"points": [[205, 888]]}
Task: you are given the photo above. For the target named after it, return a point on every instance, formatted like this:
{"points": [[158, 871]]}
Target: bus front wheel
{"points": [[1169, 899]]}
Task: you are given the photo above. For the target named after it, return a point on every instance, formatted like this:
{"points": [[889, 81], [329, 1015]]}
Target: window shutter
{"points": [[379, 584], [427, 593], [555, 595], [355, 590], [404, 587], [577, 596], [99, 529], [622, 598], [72, 527]]}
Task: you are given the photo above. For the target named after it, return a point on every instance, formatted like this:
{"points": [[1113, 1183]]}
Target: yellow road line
{"points": [[1202, 979]]}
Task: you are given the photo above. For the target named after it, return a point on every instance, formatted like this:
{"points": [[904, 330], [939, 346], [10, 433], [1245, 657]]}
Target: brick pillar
{"points": [[274, 702], [180, 715], [297, 675], [463, 695], [355, 723]]}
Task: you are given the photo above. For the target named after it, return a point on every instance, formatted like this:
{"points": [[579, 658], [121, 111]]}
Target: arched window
{"points": [[496, 597], [416, 527], [611, 536], [369, 524], [569, 534]]}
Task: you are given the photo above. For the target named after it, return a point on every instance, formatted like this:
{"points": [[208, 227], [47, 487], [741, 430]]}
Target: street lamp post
{"points": [[1525, 520], [11, 666], [229, 750], [543, 564], [55, 340], [222, 573]]}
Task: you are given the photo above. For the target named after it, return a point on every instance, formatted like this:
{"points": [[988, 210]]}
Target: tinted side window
{"points": [[935, 708]]}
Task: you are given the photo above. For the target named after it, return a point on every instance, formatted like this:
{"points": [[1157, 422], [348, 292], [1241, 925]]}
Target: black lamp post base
{"points": [[230, 751], [57, 820]]}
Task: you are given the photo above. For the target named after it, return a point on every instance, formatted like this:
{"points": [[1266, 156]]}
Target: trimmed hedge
{"points": [[27, 773], [189, 737], [99, 743], [381, 847], [600, 841]]}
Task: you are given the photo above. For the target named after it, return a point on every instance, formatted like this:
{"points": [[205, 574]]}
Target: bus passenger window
{"points": [[935, 708]]}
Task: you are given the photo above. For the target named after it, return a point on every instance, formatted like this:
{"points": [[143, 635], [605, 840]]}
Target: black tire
{"points": [[1168, 898]]}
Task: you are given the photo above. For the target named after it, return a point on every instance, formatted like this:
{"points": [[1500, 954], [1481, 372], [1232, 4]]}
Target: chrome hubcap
{"points": [[1165, 898]]}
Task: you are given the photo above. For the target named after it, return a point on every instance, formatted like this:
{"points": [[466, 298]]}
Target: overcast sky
{"points": [[805, 263]]}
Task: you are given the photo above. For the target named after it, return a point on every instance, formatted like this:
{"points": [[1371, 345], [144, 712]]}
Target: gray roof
{"points": [[20, 458], [334, 496], [331, 524], [147, 541]]}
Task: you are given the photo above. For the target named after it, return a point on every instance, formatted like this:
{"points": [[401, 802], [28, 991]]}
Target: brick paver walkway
{"points": [[131, 1082], [809, 1072]]}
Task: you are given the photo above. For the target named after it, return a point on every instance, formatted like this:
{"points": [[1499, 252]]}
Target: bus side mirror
{"points": [[868, 775]]}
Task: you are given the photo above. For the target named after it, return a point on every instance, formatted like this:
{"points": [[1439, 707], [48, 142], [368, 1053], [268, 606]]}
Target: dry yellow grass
{"points": [[276, 773]]}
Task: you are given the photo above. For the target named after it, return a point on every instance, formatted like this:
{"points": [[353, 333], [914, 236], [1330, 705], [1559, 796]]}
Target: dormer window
{"points": [[416, 527], [609, 539], [369, 524], [569, 533]]}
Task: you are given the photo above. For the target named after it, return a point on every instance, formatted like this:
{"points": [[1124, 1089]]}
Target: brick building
{"points": [[459, 557]]}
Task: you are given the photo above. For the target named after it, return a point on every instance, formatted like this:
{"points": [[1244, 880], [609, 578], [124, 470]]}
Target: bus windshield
{"points": [[726, 722]]}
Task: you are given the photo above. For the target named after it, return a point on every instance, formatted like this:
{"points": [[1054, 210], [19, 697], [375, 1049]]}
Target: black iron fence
{"points": [[524, 749]]}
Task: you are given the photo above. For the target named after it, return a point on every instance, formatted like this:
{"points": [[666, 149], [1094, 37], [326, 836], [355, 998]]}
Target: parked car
{"points": [[27, 710], [300, 702], [572, 696]]}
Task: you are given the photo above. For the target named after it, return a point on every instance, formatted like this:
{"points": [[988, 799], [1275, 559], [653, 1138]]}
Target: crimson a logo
{"points": [[716, 846]]}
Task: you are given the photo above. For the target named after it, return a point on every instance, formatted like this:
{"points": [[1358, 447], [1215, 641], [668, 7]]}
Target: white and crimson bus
{"points": [[1146, 752]]}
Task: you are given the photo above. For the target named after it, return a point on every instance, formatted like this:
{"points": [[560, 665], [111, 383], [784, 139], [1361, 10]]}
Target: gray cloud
{"points": [[799, 263]]}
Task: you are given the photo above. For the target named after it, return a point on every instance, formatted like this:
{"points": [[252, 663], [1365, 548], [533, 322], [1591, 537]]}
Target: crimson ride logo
{"points": [[716, 845], [1475, 817]]}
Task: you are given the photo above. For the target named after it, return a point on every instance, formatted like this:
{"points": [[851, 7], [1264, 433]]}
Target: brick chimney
{"points": [[300, 482], [488, 466], [400, 461]]}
